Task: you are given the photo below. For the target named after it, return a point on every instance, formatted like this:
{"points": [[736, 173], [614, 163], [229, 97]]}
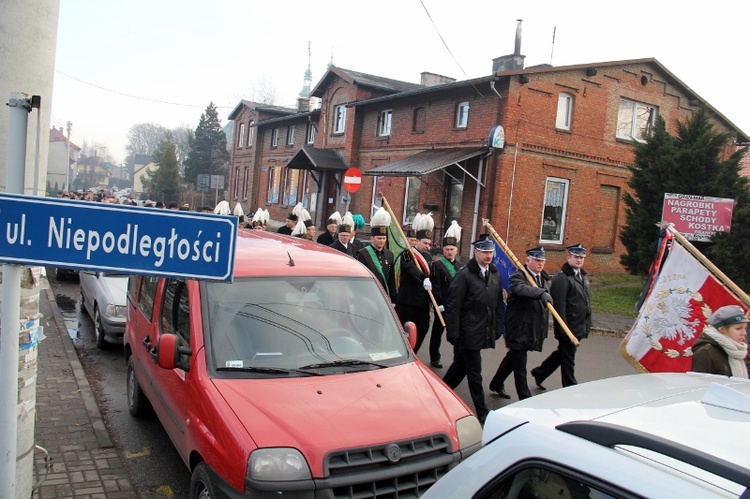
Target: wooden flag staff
{"points": [[408, 247], [519, 265]]}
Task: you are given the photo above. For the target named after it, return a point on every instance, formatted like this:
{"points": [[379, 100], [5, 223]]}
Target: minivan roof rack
{"points": [[610, 435]]}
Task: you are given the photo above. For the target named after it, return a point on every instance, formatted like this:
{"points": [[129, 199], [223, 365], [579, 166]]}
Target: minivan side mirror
{"points": [[410, 331], [169, 353]]}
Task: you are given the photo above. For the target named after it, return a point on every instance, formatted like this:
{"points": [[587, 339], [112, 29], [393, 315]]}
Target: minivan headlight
{"points": [[469, 432], [275, 464]]}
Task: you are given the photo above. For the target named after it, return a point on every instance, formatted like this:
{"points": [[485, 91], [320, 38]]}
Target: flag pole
{"points": [[531, 281], [408, 247], [713, 268]]}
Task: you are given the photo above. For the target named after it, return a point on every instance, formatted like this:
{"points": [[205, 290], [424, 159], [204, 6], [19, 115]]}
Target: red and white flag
{"points": [[673, 316]]}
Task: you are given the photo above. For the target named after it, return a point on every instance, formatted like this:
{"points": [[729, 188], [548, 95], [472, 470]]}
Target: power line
{"points": [[135, 96]]}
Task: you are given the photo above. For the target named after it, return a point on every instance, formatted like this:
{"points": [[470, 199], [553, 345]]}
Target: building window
{"points": [[384, 123], [339, 119], [291, 186], [250, 132], [275, 137], [274, 179], [553, 213], [245, 184], [411, 200], [241, 138], [304, 194], [290, 135], [311, 133], [564, 111], [462, 115], [236, 182], [635, 120], [419, 120]]}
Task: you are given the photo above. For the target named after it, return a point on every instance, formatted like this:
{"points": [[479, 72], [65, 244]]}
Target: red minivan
{"points": [[295, 380]]}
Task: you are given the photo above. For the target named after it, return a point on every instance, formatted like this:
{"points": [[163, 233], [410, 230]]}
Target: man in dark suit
{"points": [[291, 221], [443, 271], [342, 243]]}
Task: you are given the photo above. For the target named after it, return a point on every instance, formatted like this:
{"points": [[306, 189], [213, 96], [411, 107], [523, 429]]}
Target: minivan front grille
{"points": [[388, 471]]}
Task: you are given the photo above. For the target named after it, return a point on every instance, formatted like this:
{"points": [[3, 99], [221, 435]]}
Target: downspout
{"points": [[512, 183], [477, 193], [491, 190]]}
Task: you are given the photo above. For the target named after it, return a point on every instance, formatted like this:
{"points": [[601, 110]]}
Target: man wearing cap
{"points": [[291, 221], [526, 322], [443, 272], [474, 318], [328, 237], [342, 243], [376, 257], [722, 346], [572, 300], [412, 299]]}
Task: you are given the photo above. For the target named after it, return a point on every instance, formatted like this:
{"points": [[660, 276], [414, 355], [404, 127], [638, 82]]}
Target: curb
{"points": [[89, 400]]}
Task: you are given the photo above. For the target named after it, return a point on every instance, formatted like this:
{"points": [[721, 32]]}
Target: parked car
{"points": [[643, 435], [295, 380], [63, 274], [103, 295]]}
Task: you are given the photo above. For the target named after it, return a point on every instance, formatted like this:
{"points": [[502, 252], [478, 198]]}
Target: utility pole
{"points": [[67, 161]]}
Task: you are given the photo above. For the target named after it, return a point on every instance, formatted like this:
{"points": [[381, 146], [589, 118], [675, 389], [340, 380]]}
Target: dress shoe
{"points": [[436, 364], [500, 393], [537, 381]]}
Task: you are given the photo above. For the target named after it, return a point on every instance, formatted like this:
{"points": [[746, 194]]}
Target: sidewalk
{"points": [[83, 461]]}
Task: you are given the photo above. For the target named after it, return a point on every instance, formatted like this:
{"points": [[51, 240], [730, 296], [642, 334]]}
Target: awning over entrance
{"points": [[426, 162], [310, 158]]}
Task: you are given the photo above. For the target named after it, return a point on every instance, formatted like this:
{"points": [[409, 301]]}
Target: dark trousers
{"points": [[513, 362], [436, 336], [420, 316], [468, 364], [564, 358]]}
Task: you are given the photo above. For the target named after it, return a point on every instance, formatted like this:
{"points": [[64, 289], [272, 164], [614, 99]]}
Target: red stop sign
{"points": [[352, 180]]}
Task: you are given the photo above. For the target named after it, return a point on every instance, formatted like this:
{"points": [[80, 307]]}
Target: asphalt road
{"points": [[153, 463]]}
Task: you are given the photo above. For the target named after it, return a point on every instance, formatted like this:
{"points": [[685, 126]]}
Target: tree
{"points": [[688, 163], [208, 153], [164, 182], [144, 138]]}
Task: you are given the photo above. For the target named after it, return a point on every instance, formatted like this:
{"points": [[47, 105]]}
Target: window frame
{"points": [[250, 133], [311, 133], [245, 183], [462, 117], [385, 120], [236, 189], [241, 138], [339, 119], [291, 186], [274, 138], [636, 132], [558, 216], [274, 180], [565, 102], [291, 131], [409, 217], [166, 324]]}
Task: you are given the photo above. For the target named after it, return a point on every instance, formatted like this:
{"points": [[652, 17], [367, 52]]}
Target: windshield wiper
{"points": [[343, 363], [268, 370]]}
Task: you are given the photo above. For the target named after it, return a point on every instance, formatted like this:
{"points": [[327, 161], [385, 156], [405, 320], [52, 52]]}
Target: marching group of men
{"points": [[468, 300]]}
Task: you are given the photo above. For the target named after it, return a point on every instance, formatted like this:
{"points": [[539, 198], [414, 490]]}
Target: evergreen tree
{"points": [[688, 163], [207, 153], [164, 182]]}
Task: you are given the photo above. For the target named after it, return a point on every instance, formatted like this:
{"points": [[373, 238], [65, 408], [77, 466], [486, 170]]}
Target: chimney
{"points": [[513, 61], [303, 105], [431, 79]]}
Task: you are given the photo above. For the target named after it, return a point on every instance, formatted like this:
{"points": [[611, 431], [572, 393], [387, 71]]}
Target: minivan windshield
{"points": [[301, 323]]}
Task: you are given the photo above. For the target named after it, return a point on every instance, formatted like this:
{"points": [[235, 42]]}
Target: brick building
{"points": [[558, 180]]}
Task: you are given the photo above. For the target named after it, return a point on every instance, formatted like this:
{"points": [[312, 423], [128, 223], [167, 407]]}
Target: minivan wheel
{"points": [[201, 483], [99, 329], [137, 401]]}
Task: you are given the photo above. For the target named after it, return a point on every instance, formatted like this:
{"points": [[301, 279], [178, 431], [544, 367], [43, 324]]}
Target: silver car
{"points": [[103, 295]]}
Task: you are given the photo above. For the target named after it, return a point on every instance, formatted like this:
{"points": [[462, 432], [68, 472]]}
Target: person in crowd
{"points": [[329, 236], [359, 224], [722, 346], [376, 256], [291, 221], [221, 209], [443, 272], [572, 300], [344, 236], [174, 205], [474, 317], [412, 299], [526, 322]]}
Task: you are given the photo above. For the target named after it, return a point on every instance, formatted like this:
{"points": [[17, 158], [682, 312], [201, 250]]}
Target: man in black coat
{"points": [[526, 322], [572, 299], [443, 272], [412, 299], [342, 243], [376, 257], [291, 221], [474, 320]]}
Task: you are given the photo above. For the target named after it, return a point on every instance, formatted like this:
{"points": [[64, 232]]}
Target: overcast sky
{"points": [[163, 61]]}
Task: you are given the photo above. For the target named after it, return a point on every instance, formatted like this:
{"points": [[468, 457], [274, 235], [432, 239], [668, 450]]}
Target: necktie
{"points": [[539, 281]]}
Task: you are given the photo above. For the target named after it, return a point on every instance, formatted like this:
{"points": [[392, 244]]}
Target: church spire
{"points": [[305, 93]]}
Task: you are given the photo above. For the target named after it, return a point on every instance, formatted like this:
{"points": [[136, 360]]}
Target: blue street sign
{"points": [[131, 239]]}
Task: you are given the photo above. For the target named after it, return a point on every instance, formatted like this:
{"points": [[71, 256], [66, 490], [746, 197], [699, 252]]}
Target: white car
{"points": [[103, 295], [677, 435]]}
